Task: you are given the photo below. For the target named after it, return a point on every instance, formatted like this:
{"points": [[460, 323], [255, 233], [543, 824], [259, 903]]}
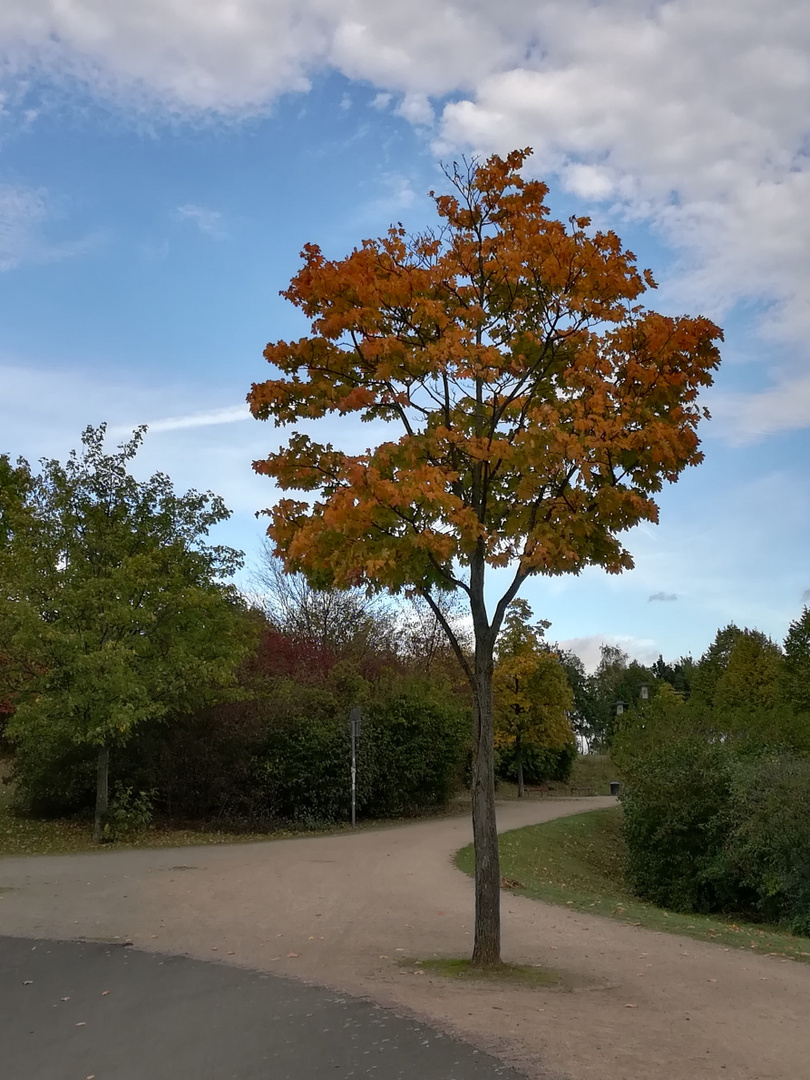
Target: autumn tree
{"points": [[532, 695], [113, 608], [539, 409]]}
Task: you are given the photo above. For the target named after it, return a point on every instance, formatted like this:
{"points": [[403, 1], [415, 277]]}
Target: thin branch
{"points": [[451, 637]]}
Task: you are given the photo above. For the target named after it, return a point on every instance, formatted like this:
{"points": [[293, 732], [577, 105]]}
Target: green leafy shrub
{"points": [[768, 844], [410, 754], [52, 775], [129, 812], [304, 760], [675, 803], [717, 811], [414, 746]]}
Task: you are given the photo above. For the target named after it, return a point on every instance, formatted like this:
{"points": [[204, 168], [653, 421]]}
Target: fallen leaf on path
{"points": [[104, 993], [81, 1023], [631, 1006], [293, 955], [28, 982]]}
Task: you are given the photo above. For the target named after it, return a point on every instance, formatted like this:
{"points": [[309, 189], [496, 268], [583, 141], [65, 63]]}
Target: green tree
{"points": [[796, 670], [112, 606], [539, 406], [712, 664], [581, 713], [617, 679], [751, 677], [677, 675]]}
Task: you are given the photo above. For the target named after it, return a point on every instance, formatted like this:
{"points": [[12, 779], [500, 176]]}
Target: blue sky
{"points": [[161, 167]]}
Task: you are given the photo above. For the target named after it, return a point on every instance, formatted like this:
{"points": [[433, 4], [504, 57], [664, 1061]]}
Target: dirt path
{"points": [[341, 910]]}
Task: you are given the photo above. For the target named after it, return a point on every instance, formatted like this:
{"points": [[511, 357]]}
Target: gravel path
{"points": [[340, 911]]}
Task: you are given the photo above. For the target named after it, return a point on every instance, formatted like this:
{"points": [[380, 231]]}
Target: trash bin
{"points": [[614, 787]]}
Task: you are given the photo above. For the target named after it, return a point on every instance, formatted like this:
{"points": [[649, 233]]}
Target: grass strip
{"points": [[578, 862], [502, 974]]}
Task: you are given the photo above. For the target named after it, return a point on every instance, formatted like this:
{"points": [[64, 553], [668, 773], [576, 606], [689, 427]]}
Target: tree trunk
{"points": [[102, 791], [487, 942], [519, 760]]}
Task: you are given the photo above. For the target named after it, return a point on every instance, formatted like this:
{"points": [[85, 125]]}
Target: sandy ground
{"points": [[341, 912]]}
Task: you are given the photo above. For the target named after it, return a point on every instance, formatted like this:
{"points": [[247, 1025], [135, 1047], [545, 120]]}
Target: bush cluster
{"points": [[720, 826], [282, 755]]}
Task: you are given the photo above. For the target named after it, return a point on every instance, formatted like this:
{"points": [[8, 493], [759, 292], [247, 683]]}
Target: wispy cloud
{"points": [[209, 222], [23, 214], [22, 210], [747, 418], [663, 596], [230, 415]]}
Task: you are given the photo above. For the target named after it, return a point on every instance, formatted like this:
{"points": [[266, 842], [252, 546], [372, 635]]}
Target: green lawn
{"points": [[578, 862]]}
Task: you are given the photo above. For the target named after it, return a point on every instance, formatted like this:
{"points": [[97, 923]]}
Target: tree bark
{"points": [[487, 941], [102, 791], [519, 760]]}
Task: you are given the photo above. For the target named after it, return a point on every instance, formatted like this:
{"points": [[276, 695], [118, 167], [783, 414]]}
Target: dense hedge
{"points": [[720, 825], [410, 754], [283, 755], [675, 803]]}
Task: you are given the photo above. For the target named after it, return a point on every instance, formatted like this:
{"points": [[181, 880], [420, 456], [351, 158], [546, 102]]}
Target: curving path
{"points": [[339, 911]]}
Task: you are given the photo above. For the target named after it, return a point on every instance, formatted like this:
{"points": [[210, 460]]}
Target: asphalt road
{"points": [[80, 1010]]}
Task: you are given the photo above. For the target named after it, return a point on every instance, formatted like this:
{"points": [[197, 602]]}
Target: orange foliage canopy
{"points": [[539, 406]]}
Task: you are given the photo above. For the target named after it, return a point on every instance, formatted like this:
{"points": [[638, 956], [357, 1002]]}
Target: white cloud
{"points": [[746, 418], [416, 109], [589, 649], [207, 221], [687, 116]]}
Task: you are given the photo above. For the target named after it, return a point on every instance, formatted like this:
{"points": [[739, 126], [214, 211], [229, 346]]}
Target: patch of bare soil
{"points": [[343, 911]]}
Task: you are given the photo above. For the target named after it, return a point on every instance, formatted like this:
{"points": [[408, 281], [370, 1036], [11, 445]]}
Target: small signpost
{"points": [[354, 723]]}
